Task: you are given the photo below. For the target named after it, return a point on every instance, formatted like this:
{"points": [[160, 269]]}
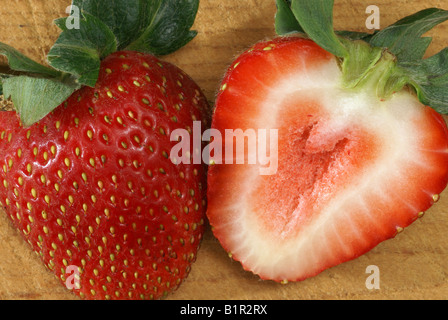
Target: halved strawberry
{"points": [[355, 166]]}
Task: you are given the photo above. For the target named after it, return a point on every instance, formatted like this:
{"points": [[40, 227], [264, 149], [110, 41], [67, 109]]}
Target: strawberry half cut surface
{"points": [[86, 173], [359, 156]]}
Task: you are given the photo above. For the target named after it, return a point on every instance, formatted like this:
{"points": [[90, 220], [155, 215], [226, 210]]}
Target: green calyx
{"points": [[388, 60], [94, 30], [370, 67]]}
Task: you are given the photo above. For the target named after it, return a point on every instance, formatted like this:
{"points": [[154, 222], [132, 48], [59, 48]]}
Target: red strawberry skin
{"points": [[353, 171], [92, 185]]}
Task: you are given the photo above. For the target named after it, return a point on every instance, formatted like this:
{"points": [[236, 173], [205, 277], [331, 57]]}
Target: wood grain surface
{"points": [[414, 265]]}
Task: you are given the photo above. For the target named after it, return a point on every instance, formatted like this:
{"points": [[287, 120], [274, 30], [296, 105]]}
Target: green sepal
{"points": [[310, 18], [404, 38], [316, 19], [285, 21], [429, 79], [159, 27], [3, 77], [34, 98], [386, 60], [19, 62], [354, 35], [79, 51], [169, 27], [125, 19], [37, 89], [102, 27]]}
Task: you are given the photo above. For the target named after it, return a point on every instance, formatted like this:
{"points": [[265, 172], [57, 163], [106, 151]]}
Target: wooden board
{"points": [[414, 265]]}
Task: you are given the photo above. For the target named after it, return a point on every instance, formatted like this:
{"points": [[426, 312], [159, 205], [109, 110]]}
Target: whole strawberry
{"points": [[362, 150], [91, 185]]}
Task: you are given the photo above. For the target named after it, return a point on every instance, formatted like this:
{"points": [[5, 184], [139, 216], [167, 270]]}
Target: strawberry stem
{"points": [[371, 68]]}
